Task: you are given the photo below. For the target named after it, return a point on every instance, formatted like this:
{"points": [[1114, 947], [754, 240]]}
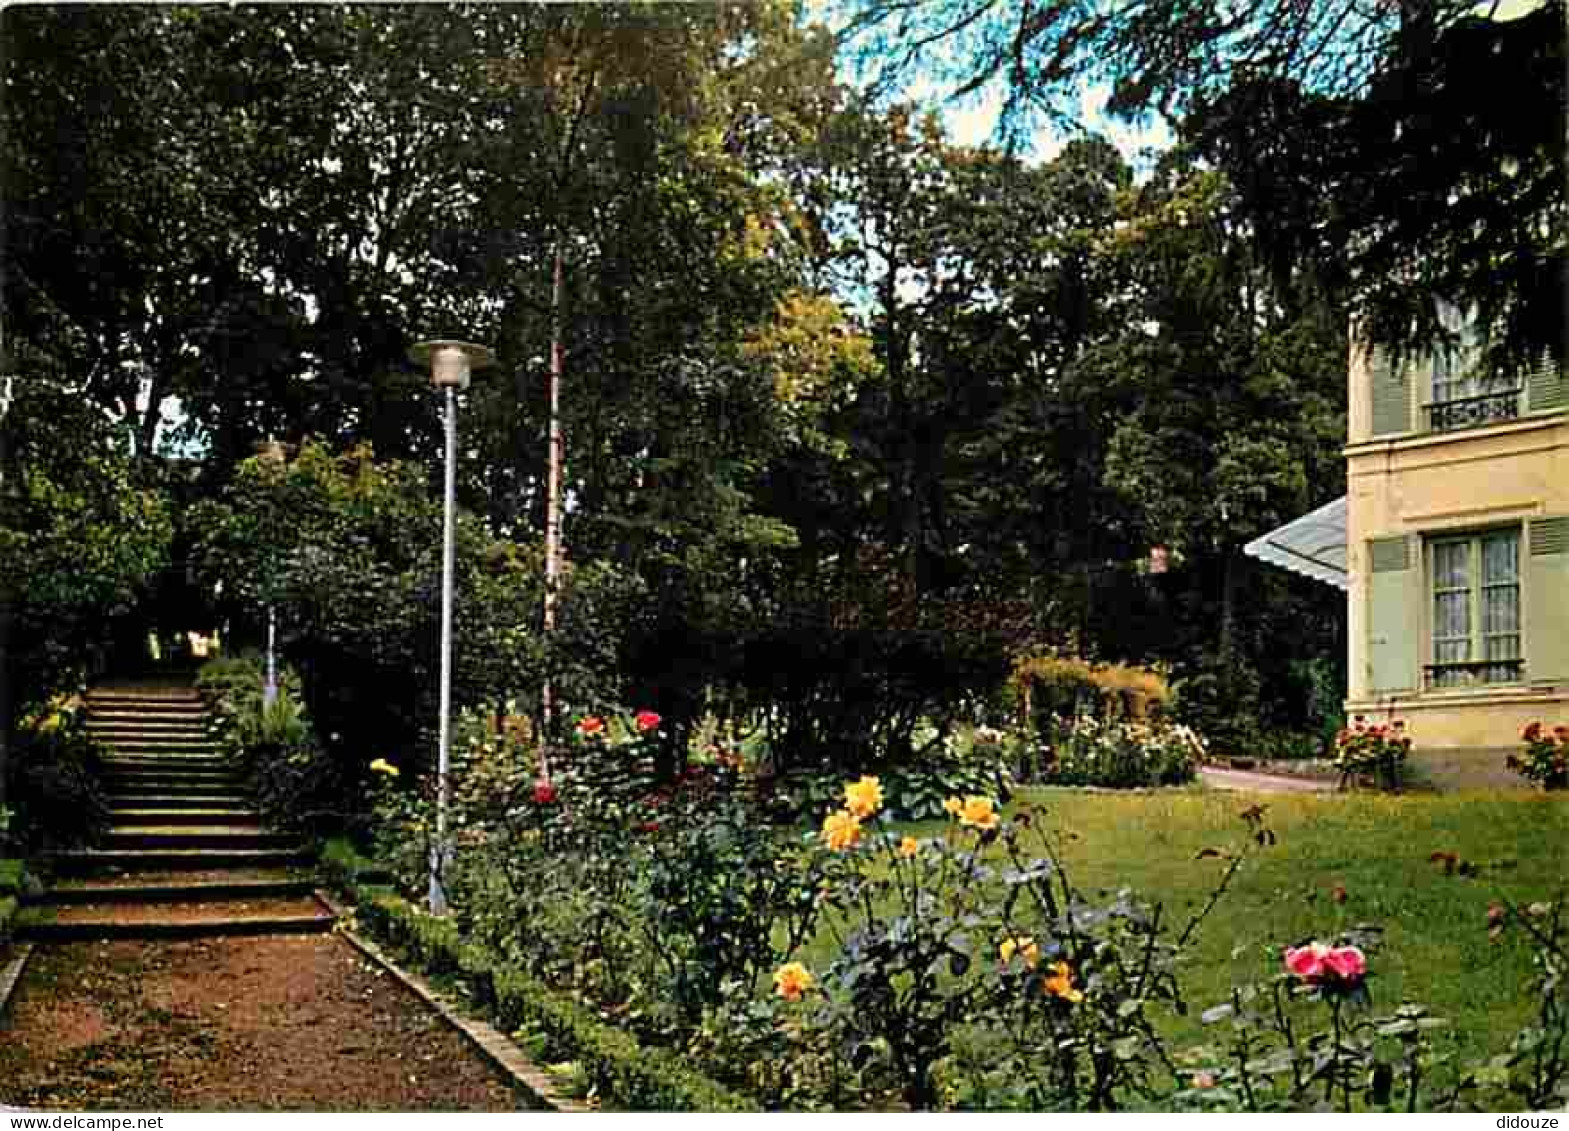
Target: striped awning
{"points": [[1314, 544]]}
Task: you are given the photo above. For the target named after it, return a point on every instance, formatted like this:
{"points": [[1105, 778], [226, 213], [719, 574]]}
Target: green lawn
{"points": [[1436, 948]]}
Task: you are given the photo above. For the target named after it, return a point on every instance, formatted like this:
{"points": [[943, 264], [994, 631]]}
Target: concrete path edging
{"points": [[489, 1041], [12, 974]]}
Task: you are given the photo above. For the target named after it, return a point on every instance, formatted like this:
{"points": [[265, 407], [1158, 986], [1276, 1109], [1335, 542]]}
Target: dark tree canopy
{"points": [[1415, 148]]}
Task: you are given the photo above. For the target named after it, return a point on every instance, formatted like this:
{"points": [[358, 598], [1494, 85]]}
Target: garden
{"points": [[845, 545], [1039, 918]]}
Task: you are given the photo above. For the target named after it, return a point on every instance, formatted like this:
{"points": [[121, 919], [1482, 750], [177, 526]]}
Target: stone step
{"points": [[171, 761], [220, 836], [158, 741], [135, 732], [268, 916], [83, 861], [187, 758], [184, 797], [188, 815], [171, 890], [151, 704], [174, 784], [154, 771], [174, 797], [190, 700], [136, 717]]}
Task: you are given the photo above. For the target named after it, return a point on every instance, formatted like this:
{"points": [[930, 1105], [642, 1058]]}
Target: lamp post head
{"points": [[451, 362]]}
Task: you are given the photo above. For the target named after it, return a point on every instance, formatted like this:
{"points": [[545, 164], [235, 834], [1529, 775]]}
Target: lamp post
{"points": [[8, 383], [274, 454], [450, 365]]}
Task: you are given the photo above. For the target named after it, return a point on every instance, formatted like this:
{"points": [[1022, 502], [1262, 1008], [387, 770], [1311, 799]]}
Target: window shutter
{"points": [[1391, 393], [1545, 386], [1547, 600], [1394, 615]]}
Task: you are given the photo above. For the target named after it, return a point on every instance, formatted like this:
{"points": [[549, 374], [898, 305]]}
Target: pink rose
{"points": [[1319, 963], [1307, 962], [1346, 963]]}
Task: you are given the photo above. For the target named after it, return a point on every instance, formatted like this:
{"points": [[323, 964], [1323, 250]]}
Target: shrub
{"points": [[1116, 755], [1049, 686], [1373, 748], [53, 777], [944, 763], [622, 1072], [958, 976], [295, 781], [1545, 757]]}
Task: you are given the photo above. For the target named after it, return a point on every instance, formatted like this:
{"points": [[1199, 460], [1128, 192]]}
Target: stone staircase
{"points": [[185, 854]]}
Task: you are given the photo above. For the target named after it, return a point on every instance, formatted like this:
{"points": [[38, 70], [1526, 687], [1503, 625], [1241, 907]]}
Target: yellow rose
{"points": [[382, 766], [792, 980], [842, 830], [1024, 947], [1060, 984], [909, 846], [953, 806], [978, 813], [864, 797]]}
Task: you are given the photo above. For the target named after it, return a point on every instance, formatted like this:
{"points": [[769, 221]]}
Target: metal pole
{"points": [[439, 847], [557, 457], [270, 691]]}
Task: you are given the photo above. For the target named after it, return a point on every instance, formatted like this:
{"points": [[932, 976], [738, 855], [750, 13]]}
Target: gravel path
{"points": [[247, 1024], [1248, 781]]}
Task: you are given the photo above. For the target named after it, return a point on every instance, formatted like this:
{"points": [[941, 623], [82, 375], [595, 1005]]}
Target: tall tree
{"points": [[1432, 129]]}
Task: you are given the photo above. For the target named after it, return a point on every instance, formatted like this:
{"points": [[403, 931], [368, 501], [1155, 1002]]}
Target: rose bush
{"points": [[1545, 757], [1379, 749]]}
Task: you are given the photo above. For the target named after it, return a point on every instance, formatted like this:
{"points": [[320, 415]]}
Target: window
{"points": [[1476, 609], [1464, 393]]}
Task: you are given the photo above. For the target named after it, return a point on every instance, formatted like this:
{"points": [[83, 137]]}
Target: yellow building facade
{"points": [[1457, 548]]}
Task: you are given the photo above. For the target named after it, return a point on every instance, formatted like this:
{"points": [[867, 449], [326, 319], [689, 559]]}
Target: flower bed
{"points": [[1115, 754], [860, 964]]}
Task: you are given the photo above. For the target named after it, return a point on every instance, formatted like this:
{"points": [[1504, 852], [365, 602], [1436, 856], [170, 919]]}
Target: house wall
{"points": [[1448, 483]]}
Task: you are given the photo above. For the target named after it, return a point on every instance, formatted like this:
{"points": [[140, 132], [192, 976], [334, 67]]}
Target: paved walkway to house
{"points": [[1251, 781]]}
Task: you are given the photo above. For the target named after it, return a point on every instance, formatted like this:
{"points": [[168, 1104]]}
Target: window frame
{"points": [[1471, 673]]}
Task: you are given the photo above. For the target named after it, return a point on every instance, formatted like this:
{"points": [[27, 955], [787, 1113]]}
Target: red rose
{"points": [[647, 721], [648, 827], [544, 792], [590, 725]]}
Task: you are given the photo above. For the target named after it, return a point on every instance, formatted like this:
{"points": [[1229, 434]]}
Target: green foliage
{"points": [[1301, 1041], [53, 777], [296, 784], [1545, 757], [1373, 748], [1115, 754], [344, 867], [348, 549], [11, 876], [80, 539], [622, 1073]]}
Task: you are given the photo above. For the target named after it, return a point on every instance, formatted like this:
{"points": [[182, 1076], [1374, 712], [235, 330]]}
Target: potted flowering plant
{"points": [[1545, 758], [1372, 748]]}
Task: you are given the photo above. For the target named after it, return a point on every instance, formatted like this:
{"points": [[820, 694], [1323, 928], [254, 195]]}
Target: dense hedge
{"points": [[623, 1072]]}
